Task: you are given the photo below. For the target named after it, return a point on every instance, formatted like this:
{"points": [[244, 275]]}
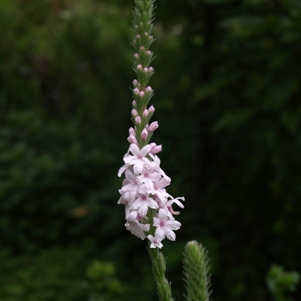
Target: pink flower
{"points": [[144, 188], [135, 227], [176, 200], [122, 168], [130, 185], [165, 226], [124, 198], [156, 165], [148, 176], [168, 205], [143, 202], [158, 189], [155, 242], [138, 158]]}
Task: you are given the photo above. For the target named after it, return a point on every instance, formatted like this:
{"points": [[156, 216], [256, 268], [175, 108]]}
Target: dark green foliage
{"points": [[55, 274], [44, 165], [227, 98], [102, 283], [279, 282]]}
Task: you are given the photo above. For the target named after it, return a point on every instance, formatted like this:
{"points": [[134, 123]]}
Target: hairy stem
{"points": [[159, 267]]}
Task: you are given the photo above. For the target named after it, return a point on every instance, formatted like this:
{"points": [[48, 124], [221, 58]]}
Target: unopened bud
{"points": [[139, 67], [151, 109], [148, 52], [132, 139], [150, 69], [153, 126], [134, 113], [135, 82], [132, 132], [136, 91], [145, 113], [145, 69], [134, 103], [138, 119], [156, 149], [149, 89], [144, 134], [142, 48], [141, 93], [136, 55]]}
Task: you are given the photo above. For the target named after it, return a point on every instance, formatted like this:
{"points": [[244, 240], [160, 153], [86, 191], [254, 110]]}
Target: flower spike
{"points": [[148, 207]]}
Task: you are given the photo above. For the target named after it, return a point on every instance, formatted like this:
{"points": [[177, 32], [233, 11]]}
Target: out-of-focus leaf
{"points": [[279, 93], [220, 2], [291, 120], [248, 25], [233, 119]]}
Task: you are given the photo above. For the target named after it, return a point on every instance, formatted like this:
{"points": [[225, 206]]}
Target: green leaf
{"points": [[291, 120], [233, 120], [279, 93]]}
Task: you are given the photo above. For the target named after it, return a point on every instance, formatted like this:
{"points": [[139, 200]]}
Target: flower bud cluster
{"points": [[143, 39], [148, 207], [141, 115]]}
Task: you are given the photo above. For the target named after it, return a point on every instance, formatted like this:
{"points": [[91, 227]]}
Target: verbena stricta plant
{"points": [[149, 211]]}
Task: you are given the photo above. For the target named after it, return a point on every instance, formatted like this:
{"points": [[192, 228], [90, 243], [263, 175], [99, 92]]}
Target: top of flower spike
{"points": [[142, 40], [148, 207]]}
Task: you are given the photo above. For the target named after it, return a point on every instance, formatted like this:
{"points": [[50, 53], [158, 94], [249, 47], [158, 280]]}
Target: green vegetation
{"points": [[279, 282], [227, 98]]}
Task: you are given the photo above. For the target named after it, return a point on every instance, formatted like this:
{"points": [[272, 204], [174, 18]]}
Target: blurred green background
{"points": [[227, 98]]}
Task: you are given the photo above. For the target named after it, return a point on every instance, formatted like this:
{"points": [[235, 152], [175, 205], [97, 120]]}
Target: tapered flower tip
{"points": [[132, 131], [122, 169]]}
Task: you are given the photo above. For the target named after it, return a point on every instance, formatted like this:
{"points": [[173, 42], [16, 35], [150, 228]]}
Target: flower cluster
{"points": [[148, 207]]}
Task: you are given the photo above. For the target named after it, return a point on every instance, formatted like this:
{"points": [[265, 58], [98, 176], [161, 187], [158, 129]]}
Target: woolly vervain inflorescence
{"points": [[148, 207]]}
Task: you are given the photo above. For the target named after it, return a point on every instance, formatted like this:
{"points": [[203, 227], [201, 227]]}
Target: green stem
{"points": [[159, 268]]}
